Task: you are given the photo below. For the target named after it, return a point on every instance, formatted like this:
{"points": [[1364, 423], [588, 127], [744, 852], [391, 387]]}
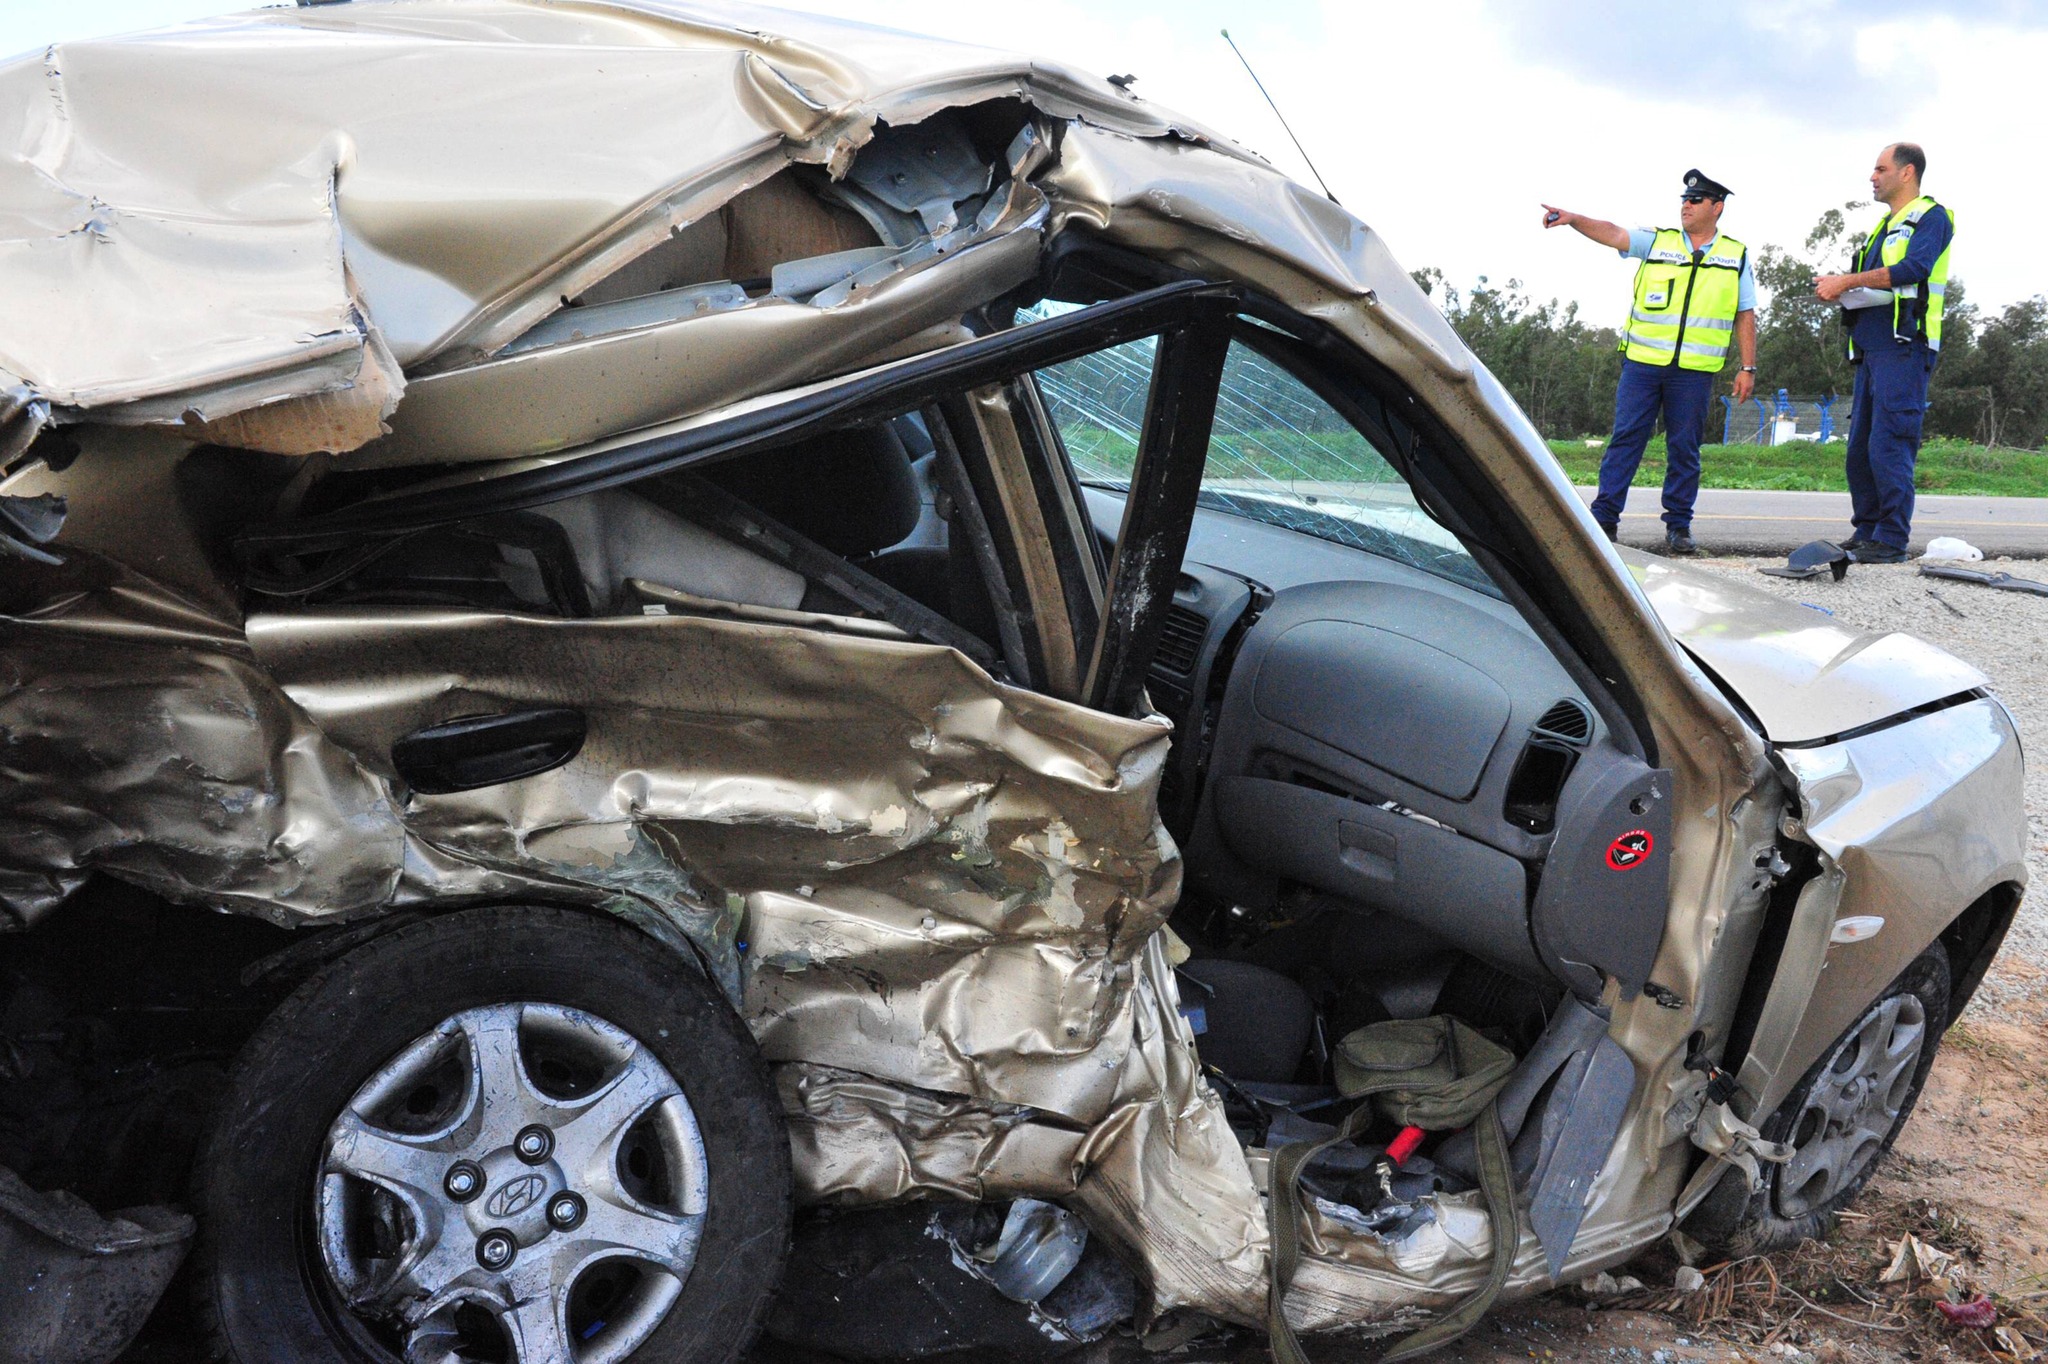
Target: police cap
{"points": [[1698, 183]]}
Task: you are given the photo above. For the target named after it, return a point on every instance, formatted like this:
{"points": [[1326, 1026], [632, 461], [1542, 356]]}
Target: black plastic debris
{"points": [[76, 1286], [27, 522], [1812, 559], [2000, 579]]}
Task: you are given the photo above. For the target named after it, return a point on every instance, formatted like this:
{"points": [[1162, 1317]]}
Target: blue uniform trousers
{"points": [[1682, 394], [1884, 439]]}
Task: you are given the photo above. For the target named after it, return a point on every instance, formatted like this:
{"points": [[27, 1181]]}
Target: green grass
{"points": [[1945, 466]]}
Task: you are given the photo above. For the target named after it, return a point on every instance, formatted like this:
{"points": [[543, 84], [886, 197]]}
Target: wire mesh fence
{"points": [[1783, 419]]}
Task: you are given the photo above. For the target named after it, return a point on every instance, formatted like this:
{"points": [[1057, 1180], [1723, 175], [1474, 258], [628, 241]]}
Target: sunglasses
{"points": [[1694, 198]]}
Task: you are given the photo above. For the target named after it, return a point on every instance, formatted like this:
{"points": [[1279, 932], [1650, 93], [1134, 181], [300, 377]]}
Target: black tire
{"points": [[263, 1292], [1735, 1221]]}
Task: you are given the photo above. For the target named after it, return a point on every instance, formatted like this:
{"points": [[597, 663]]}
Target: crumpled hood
{"points": [[1803, 674]]}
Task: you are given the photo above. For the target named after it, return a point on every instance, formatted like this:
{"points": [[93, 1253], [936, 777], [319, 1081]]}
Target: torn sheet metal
{"points": [[712, 351], [1166, 1177], [982, 863], [949, 892], [1249, 222], [326, 422], [138, 737], [1157, 1170], [183, 213], [858, 1140], [1913, 822]]}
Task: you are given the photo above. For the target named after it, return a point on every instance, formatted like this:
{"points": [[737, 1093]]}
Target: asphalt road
{"points": [[1742, 521]]}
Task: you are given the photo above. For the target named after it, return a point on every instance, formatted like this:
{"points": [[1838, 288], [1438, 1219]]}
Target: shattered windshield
{"points": [[1279, 454]]}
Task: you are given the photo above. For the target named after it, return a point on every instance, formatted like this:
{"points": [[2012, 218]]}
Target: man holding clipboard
{"points": [[1892, 304]]}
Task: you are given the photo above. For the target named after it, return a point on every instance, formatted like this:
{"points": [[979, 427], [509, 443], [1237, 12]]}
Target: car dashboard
{"points": [[1387, 739]]}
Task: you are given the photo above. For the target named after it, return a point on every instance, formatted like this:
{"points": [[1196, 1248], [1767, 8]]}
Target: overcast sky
{"points": [[1444, 123]]}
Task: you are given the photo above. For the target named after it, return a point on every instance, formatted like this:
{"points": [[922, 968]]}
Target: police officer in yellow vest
{"points": [[1892, 305], [1695, 294]]}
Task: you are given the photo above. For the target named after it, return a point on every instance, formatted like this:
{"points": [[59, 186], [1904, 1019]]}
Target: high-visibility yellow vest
{"points": [[1684, 310], [1916, 309]]}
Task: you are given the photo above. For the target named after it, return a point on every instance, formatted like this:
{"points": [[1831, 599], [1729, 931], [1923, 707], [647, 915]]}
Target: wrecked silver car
{"points": [[641, 643]]}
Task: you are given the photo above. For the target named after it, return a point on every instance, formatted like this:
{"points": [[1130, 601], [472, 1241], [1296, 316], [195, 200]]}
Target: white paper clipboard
{"points": [[1865, 298]]}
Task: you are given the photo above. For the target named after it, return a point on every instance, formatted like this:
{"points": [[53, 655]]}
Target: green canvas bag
{"points": [[1433, 1073]]}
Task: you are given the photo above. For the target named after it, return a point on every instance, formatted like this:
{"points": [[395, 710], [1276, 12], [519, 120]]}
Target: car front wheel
{"points": [[513, 1134], [1840, 1118]]}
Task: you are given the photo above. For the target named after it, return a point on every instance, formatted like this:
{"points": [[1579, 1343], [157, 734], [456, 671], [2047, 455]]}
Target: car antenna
{"points": [[1283, 120]]}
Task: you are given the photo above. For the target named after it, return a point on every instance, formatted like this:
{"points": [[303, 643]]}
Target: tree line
{"points": [[1991, 386]]}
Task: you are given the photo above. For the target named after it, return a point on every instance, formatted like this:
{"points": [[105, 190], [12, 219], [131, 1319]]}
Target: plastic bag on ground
{"points": [[1950, 547]]}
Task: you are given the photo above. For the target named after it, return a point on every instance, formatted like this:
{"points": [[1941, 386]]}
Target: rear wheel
{"points": [[518, 1135], [1840, 1118]]}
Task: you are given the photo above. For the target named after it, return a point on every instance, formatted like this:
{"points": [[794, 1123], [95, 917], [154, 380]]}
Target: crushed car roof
{"points": [[291, 203]]}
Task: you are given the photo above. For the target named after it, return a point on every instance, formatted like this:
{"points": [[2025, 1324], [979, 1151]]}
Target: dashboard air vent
{"points": [[1180, 641], [1547, 760], [1567, 720]]}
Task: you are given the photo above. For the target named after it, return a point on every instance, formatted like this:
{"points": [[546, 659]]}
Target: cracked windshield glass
{"points": [[1279, 454]]}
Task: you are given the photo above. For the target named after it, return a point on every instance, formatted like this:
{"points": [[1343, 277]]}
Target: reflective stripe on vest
{"points": [[1914, 317], [1685, 307]]}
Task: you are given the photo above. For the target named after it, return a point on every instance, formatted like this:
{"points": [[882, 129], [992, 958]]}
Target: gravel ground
{"points": [[2006, 635]]}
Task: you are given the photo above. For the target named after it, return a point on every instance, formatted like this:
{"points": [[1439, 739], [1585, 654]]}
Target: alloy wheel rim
{"points": [[1852, 1108], [525, 1182]]}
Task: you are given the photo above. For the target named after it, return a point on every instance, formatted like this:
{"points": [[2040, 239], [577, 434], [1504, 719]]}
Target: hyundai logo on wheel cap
{"points": [[516, 1197]]}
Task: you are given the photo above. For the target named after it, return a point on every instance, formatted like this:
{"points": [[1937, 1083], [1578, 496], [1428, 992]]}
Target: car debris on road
{"points": [[1999, 578]]}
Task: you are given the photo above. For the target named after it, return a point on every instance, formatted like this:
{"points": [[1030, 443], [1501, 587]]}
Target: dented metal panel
{"points": [[1201, 210], [1913, 823], [859, 1140], [1158, 1170], [588, 387], [1805, 675], [948, 890], [732, 766], [239, 212], [138, 737], [939, 897]]}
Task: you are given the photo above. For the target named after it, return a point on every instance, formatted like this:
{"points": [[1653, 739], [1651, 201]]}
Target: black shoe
{"points": [[1877, 552], [1679, 542], [1613, 533], [1856, 542]]}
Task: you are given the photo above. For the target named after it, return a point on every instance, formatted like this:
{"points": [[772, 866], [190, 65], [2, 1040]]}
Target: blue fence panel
{"points": [[1780, 419]]}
